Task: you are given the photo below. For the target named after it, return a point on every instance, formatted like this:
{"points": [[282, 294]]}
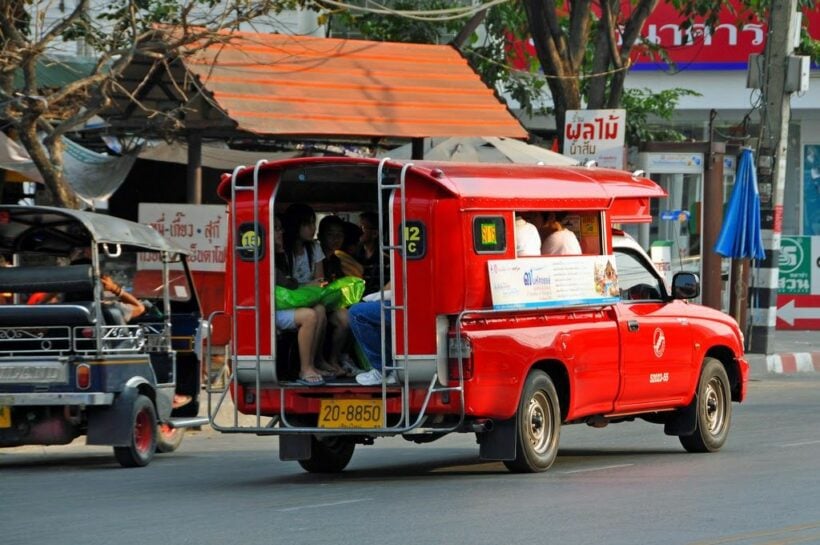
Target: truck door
{"points": [[656, 341]]}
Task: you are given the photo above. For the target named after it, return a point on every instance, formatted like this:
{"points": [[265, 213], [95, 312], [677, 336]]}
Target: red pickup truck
{"points": [[481, 340]]}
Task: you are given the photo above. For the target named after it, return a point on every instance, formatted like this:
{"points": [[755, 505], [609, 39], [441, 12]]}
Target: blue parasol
{"points": [[740, 235]]}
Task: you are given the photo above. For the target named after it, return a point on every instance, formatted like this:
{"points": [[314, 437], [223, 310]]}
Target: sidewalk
{"points": [[794, 352]]}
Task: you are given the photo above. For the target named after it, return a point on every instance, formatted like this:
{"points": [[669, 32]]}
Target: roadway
{"points": [[625, 484]]}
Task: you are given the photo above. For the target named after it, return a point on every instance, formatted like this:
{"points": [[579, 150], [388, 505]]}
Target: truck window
{"points": [[635, 279]]}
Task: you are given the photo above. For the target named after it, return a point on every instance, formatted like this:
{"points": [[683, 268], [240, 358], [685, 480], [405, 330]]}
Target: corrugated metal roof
{"points": [[295, 85]]}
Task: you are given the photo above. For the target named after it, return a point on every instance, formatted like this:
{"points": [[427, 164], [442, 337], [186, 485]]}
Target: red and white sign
{"points": [[798, 312], [596, 135], [737, 35], [202, 229]]}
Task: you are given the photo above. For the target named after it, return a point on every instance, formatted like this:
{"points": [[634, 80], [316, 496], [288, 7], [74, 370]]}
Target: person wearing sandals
{"points": [[332, 237], [309, 322], [303, 257]]}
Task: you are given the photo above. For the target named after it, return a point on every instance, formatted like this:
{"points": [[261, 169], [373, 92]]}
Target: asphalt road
{"points": [[624, 484]]}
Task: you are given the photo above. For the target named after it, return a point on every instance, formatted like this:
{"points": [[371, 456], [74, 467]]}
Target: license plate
{"points": [[350, 413], [5, 417]]}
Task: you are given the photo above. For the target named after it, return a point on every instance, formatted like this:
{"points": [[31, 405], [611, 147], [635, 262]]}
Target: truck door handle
{"points": [[633, 325]]}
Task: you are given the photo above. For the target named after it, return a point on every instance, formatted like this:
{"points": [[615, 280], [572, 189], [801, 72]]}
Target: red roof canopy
{"points": [[295, 85]]}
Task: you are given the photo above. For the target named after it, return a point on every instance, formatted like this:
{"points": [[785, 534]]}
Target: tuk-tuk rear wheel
{"points": [[143, 442]]}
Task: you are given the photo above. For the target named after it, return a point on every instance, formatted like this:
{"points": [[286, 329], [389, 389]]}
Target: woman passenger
{"points": [[309, 322], [304, 259]]}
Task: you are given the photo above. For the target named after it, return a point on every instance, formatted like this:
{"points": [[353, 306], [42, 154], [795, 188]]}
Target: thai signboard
{"points": [[202, 229], [737, 35], [798, 300], [596, 135], [543, 282]]}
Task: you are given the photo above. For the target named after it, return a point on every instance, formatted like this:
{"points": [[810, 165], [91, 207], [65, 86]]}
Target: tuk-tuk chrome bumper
{"points": [[56, 398]]}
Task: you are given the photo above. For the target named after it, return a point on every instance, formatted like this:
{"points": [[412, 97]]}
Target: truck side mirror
{"points": [[685, 285]]}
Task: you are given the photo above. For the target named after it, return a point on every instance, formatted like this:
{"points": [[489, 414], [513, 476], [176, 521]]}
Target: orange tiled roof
{"points": [[295, 85]]}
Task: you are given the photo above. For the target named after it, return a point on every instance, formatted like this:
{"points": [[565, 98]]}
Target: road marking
{"points": [[601, 468], [803, 444], [315, 505]]}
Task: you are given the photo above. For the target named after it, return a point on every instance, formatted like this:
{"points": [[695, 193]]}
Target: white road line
{"points": [[601, 468], [803, 444], [315, 505]]}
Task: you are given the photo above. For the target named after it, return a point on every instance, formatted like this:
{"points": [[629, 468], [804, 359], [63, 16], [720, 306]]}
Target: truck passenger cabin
{"points": [[481, 340]]}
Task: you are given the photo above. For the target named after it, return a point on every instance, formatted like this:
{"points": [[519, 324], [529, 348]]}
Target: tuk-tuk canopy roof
{"points": [[483, 185], [74, 228]]}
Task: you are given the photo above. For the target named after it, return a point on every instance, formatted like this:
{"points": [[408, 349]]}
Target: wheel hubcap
{"points": [[713, 403], [142, 432], [539, 423]]}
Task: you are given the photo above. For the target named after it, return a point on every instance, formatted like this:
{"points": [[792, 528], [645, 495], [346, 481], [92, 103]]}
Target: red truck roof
{"points": [[506, 185]]}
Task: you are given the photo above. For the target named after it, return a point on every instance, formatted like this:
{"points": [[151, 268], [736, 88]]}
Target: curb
{"points": [[798, 362]]}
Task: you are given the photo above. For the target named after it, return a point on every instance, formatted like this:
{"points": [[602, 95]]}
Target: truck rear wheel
{"points": [[329, 454], [538, 426], [143, 442], [714, 410]]}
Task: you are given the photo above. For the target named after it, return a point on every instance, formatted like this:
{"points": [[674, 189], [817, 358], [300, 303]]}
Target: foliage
{"points": [[505, 25], [120, 30], [584, 47], [395, 28], [640, 104]]}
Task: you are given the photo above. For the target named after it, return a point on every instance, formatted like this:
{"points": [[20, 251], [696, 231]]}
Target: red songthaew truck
{"points": [[483, 341]]}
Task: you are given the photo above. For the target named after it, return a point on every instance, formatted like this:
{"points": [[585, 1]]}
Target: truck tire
{"points": [[538, 426], [714, 409], [168, 438], [329, 454], [143, 442]]}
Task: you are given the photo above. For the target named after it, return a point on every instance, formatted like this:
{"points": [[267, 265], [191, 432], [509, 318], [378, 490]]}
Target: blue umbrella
{"points": [[740, 235]]}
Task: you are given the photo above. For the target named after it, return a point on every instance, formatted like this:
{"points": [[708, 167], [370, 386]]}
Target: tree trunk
{"points": [[552, 49], [50, 164]]}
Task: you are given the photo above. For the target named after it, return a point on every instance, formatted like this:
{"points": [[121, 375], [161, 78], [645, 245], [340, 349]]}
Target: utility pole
{"points": [[771, 160]]}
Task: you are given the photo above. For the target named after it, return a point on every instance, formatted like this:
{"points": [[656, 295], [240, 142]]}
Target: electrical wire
{"points": [[445, 14]]}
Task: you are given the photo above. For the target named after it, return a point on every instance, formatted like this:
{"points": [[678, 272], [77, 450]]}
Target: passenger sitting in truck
{"points": [[309, 322], [368, 253], [331, 237], [527, 239], [304, 258], [365, 323], [558, 240]]}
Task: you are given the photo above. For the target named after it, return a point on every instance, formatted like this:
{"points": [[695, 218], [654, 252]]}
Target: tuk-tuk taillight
{"points": [[83, 376]]}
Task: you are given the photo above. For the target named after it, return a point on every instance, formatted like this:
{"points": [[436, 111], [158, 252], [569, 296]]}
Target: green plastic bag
{"points": [[303, 296], [343, 292], [340, 293]]}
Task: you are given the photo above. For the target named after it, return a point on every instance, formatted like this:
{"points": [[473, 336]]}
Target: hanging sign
{"points": [[596, 135]]}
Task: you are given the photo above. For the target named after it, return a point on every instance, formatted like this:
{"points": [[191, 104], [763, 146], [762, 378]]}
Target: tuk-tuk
{"points": [[72, 363]]}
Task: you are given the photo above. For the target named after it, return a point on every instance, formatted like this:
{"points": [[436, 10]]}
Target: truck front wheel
{"points": [[714, 410], [538, 426], [143, 441]]}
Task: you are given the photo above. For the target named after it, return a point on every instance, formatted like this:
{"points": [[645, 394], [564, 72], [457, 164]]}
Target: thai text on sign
{"points": [[542, 282], [201, 229], [596, 135]]}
